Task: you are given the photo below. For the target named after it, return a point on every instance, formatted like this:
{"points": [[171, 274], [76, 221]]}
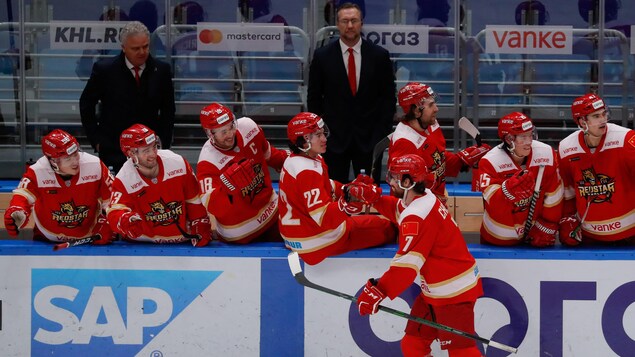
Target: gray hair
{"points": [[131, 29]]}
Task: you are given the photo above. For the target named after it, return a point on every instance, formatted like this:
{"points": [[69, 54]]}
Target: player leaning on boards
{"points": [[509, 174], [233, 172], [315, 217], [66, 190], [419, 133], [598, 170], [155, 196], [430, 246]]}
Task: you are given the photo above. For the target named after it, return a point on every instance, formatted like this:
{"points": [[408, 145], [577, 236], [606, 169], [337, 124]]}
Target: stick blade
{"points": [[503, 347], [468, 127], [294, 263]]}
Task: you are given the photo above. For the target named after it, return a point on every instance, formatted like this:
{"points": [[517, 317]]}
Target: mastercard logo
{"points": [[210, 36]]}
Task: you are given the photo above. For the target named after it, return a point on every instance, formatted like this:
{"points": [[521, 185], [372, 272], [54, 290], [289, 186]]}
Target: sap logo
{"points": [[83, 311], [175, 172], [102, 300]]}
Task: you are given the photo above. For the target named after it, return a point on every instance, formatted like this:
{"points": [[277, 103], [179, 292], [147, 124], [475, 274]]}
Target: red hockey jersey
{"points": [[167, 202], [310, 219], [605, 178], [430, 246], [430, 145], [64, 210], [504, 221], [243, 216]]}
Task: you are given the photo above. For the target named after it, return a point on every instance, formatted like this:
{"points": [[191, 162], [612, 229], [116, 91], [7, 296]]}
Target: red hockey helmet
{"points": [[305, 123], [215, 116], [59, 143], [410, 164], [135, 137], [585, 105], [414, 93], [514, 123]]}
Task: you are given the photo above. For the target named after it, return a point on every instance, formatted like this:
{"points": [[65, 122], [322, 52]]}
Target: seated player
{"points": [[66, 191], [155, 195]]}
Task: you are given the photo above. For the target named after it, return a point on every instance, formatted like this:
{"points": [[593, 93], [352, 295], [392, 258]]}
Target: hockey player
{"points": [[430, 246], [597, 167], [419, 133], [315, 217], [155, 196], [507, 179], [233, 172], [66, 190]]}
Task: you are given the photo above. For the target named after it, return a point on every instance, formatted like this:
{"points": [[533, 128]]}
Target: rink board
{"points": [[145, 300]]}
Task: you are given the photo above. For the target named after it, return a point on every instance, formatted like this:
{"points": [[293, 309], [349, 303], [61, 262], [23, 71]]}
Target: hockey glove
{"points": [[542, 233], [15, 217], [239, 175], [368, 301], [363, 178], [471, 155], [202, 228], [570, 234], [130, 225], [350, 208], [518, 187], [103, 231], [361, 192]]}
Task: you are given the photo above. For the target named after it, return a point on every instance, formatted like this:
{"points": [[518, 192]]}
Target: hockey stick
{"points": [[574, 233], [75, 243], [378, 151], [468, 127], [296, 269], [193, 237], [533, 202]]}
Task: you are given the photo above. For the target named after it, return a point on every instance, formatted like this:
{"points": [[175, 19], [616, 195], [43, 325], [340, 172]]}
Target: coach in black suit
{"points": [[133, 88], [357, 121]]}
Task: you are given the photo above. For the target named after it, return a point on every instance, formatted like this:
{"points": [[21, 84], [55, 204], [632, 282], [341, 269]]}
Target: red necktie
{"points": [[352, 77], [136, 74]]}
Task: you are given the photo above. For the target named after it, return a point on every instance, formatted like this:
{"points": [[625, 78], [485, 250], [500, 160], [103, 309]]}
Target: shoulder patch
{"points": [[409, 228], [632, 141]]}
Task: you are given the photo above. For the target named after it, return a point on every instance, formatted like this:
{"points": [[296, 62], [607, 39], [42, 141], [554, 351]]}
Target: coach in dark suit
{"points": [[354, 95], [133, 88]]}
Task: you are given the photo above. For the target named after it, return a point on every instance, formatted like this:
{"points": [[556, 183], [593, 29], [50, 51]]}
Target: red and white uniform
{"points": [[311, 221], [604, 176], [170, 199], [64, 210], [430, 145], [430, 246], [243, 216], [504, 221]]}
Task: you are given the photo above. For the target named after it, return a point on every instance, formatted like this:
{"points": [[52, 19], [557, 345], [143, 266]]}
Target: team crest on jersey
{"points": [[164, 214], [70, 215], [256, 185], [596, 187], [438, 168]]}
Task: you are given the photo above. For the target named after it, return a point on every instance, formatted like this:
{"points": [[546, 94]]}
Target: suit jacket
{"points": [[123, 104], [361, 120]]}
